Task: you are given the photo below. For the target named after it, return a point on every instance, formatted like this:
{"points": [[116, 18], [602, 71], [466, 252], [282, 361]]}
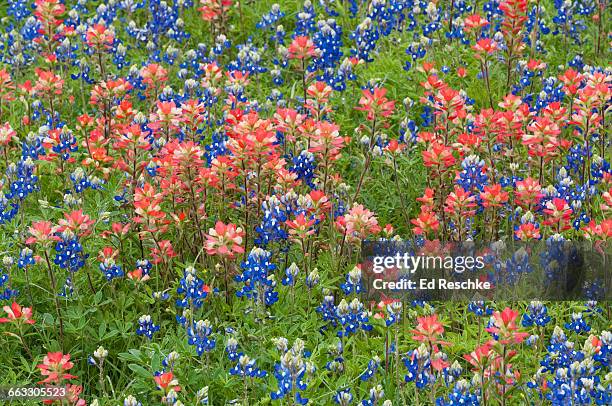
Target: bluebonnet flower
{"points": [[480, 308], [269, 19], [72, 200], [542, 28], [344, 397], [528, 71], [134, 31], [565, 188], [119, 52], [291, 274], [345, 72], [427, 116], [222, 43], [552, 91], [151, 169], [599, 168], [237, 95], [408, 131], [418, 364], [170, 360], [578, 324], [170, 55], [422, 303], [202, 396], [532, 340], [136, 81], [15, 46], [69, 252], [513, 268], [281, 344], [65, 143], [246, 367], [5, 289], [248, 59], [99, 355], [592, 308], [556, 257], [8, 210], [353, 282], [272, 225], [365, 36], [305, 19], [354, 7], [168, 94], [432, 24], [81, 181], [66, 51], [492, 12], [277, 99], [329, 6], [328, 40], [142, 271], [594, 289], [571, 385], [216, 147], [199, 336], [456, 30], [192, 289], [231, 348], [378, 14], [277, 77], [416, 51], [258, 278], [339, 207], [160, 296], [26, 258], [304, 165], [584, 8], [290, 372], [146, 327], [473, 177], [376, 395], [352, 317], [22, 179], [110, 269], [336, 365], [327, 309], [19, 9], [460, 395], [279, 35], [394, 312], [577, 62], [560, 352], [568, 22], [371, 370], [604, 356], [107, 13], [67, 288], [452, 373], [171, 398], [131, 401], [537, 314], [312, 279], [165, 21]]}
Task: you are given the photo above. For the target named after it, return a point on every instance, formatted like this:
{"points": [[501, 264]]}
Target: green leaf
{"points": [[139, 370]]}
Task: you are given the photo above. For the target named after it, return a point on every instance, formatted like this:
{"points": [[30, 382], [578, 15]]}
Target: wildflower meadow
{"points": [[186, 185]]}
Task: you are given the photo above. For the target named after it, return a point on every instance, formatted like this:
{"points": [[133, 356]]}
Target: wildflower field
{"points": [[186, 186]]}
